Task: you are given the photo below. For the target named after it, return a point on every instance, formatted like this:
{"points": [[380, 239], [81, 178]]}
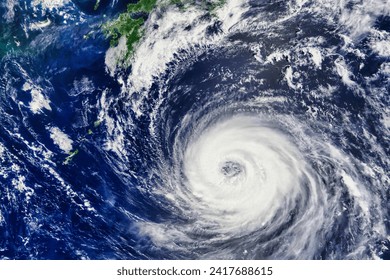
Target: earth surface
{"points": [[238, 129]]}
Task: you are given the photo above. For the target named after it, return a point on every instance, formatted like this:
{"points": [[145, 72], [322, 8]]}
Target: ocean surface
{"points": [[257, 131]]}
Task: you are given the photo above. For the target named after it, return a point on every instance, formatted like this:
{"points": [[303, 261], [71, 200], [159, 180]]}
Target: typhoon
{"points": [[189, 129]]}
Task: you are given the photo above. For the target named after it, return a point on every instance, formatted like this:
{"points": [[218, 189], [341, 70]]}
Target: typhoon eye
{"points": [[231, 169]]}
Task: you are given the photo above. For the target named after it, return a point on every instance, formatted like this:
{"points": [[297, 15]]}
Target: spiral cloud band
{"points": [[260, 183], [242, 172], [264, 139]]}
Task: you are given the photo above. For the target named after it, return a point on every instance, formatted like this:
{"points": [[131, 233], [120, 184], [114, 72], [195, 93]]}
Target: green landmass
{"points": [[97, 123], [212, 6], [96, 5], [69, 158], [72, 155], [142, 6], [130, 23]]}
